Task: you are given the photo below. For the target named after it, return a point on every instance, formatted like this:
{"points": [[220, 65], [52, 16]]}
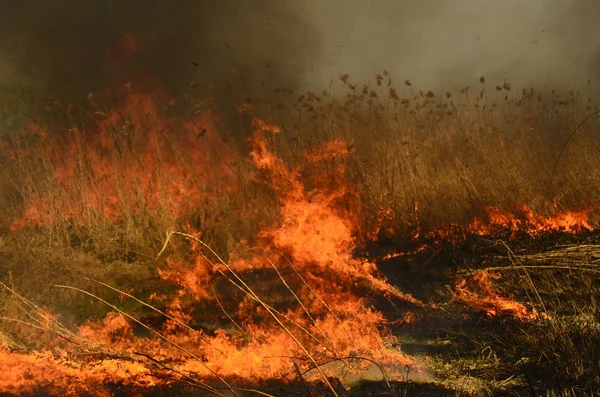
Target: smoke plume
{"points": [[445, 44], [72, 47]]}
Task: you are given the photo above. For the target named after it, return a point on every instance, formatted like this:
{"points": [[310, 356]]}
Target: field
{"points": [[367, 240]]}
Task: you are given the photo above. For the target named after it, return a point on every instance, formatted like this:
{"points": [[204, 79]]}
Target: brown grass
{"points": [[452, 156], [447, 154]]}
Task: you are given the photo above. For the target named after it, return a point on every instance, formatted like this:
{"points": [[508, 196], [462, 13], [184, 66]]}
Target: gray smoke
{"points": [[73, 47], [445, 44]]}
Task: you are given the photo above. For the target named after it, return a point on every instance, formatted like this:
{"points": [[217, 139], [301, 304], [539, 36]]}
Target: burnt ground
{"points": [[367, 389], [476, 354]]}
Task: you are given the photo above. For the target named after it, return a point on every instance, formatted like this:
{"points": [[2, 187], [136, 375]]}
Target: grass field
{"points": [[449, 232]]}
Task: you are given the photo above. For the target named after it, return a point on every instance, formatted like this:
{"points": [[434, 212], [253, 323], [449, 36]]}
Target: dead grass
{"points": [[449, 155], [454, 155], [432, 158]]}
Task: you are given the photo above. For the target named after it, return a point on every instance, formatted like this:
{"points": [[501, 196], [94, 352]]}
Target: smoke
{"points": [[73, 47], [446, 44]]}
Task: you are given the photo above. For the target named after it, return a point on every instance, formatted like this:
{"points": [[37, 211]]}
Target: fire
{"points": [[482, 295], [509, 224], [56, 373], [125, 164], [526, 221], [296, 299]]}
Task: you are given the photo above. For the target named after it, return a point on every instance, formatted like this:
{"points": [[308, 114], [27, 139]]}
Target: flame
{"points": [[54, 372], [526, 221], [502, 223], [483, 296], [296, 298], [126, 164]]}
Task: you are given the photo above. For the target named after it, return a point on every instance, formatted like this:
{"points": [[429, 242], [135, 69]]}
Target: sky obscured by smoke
{"points": [[73, 47], [451, 43]]}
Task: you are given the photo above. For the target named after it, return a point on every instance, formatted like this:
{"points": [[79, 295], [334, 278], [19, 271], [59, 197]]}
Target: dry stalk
{"points": [[158, 311], [534, 267], [514, 259], [383, 373], [260, 301], [245, 291], [305, 310], [311, 290], [583, 258], [18, 321], [161, 336], [225, 311], [45, 321], [579, 255]]}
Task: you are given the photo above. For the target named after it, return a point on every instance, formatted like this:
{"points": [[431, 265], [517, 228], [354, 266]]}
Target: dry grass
{"points": [[454, 155], [450, 155], [446, 154]]}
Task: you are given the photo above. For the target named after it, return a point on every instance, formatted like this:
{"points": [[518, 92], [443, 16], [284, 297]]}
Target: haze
{"points": [[62, 45], [446, 43]]}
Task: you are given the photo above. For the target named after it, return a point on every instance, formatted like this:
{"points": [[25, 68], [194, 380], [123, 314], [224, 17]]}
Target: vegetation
{"points": [[89, 192]]}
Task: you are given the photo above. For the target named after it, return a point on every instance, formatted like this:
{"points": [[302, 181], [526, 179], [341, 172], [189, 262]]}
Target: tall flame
{"points": [[297, 298]]}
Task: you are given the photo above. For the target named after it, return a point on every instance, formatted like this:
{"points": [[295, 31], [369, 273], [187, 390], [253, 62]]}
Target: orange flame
{"points": [[483, 296], [299, 295], [95, 167], [526, 221]]}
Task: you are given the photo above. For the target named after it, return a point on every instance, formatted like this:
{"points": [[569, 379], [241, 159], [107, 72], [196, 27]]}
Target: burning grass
{"points": [[333, 228]]}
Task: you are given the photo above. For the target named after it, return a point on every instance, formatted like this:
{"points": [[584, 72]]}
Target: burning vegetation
{"points": [[159, 244]]}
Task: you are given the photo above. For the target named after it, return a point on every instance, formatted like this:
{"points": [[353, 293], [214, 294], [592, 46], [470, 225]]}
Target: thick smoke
{"points": [[73, 47], [445, 44]]}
